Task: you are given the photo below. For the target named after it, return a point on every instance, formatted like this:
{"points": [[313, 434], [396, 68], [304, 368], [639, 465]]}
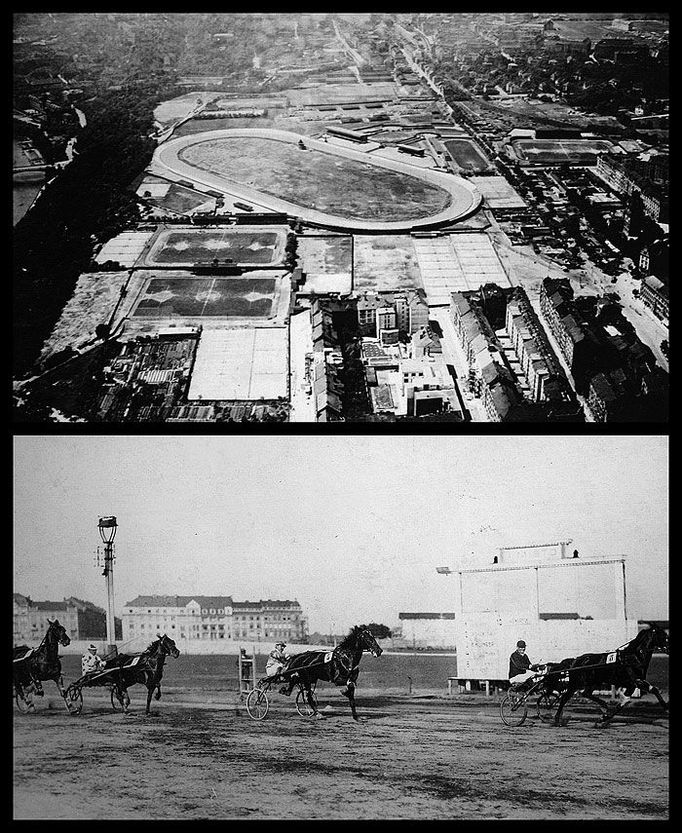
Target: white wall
{"points": [[498, 606], [487, 640]]}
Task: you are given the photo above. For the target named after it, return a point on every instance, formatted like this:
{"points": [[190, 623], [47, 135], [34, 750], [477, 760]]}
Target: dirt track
{"points": [[414, 757]]}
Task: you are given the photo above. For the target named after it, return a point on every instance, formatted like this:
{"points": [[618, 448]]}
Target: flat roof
{"points": [[247, 363]]}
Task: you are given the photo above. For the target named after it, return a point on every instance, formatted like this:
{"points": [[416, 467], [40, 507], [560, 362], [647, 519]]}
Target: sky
{"points": [[352, 527]]}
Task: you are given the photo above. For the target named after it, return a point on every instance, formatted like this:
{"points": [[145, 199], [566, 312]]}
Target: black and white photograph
{"points": [[299, 297], [431, 217], [432, 627]]}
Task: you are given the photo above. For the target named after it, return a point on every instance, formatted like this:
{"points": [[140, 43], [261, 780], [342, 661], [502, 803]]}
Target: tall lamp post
{"points": [[107, 529]]}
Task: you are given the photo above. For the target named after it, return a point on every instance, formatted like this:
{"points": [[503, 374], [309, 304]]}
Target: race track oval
{"points": [[365, 185]]}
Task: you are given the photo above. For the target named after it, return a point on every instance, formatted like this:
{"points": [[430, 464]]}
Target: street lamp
{"points": [[107, 526]]}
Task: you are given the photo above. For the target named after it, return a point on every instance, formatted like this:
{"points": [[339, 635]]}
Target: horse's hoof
{"points": [[319, 716]]}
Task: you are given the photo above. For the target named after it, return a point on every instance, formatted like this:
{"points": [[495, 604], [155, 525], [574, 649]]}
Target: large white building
{"points": [[212, 618]]}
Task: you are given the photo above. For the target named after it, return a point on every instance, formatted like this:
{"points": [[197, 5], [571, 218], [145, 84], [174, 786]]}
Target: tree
{"points": [[379, 631]]}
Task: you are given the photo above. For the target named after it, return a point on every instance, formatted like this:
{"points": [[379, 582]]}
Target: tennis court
{"points": [[172, 297], [193, 246]]}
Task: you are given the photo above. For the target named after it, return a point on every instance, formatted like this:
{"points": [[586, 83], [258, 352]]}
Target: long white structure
{"points": [[561, 608]]}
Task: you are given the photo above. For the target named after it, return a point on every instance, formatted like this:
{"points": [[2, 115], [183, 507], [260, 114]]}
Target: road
{"points": [[415, 757], [454, 355]]}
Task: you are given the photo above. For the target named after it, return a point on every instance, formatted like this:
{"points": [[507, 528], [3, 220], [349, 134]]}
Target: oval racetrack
{"points": [[461, 197]]}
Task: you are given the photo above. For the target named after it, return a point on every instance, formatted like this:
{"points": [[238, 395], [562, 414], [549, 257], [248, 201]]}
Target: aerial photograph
{"points": [[340, 217]]}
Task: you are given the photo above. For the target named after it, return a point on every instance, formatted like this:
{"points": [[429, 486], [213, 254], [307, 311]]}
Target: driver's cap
{"points": [[520, 644]]}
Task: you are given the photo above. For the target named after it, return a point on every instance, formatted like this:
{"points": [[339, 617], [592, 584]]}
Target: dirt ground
{"points": [[424, 756]]}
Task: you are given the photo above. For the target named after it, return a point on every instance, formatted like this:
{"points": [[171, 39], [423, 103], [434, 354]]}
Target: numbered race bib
{"points": [[328, 656], [132, 662], [611, 657]]}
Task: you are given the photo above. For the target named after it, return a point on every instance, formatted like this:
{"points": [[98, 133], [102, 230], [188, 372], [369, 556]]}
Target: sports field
{"points": [[171, 297], [556, 152], [467, 155], [193, 246], [311, 178]]}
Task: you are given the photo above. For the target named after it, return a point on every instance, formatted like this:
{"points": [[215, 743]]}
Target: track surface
{"points": [[167, 163], [414, 757]]}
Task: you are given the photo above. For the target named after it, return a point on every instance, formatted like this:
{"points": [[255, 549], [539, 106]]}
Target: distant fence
{"points": [[189, 646]]}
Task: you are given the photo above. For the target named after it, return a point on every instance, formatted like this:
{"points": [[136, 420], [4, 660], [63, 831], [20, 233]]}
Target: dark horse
{"points": [[624, 668], [30, 667], [145, 668], [340, 666]]}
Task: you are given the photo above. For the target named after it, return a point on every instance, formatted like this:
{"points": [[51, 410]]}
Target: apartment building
{"points": [[213, 618]]}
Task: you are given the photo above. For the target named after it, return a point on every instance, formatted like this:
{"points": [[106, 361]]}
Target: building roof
{"points": [[180, 601], [50, 605], [266, 603], [426, 616]]}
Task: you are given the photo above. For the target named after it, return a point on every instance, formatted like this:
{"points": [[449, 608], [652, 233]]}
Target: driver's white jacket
{"points": [[91, 662]]}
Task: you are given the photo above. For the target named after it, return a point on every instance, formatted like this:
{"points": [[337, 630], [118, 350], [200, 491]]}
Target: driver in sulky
{"points": [[520, 668], [91, 662]]}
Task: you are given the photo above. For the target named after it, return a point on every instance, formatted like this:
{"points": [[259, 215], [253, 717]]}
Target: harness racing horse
{"points": [[624, 668], [31, 666], [145, 668], [340, 667]]}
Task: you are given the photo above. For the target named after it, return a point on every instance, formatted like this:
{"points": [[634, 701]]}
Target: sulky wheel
{"points": [[257, 704], [74, 699], [24, 702], [513, 709], [548, 703], [303, 707]]}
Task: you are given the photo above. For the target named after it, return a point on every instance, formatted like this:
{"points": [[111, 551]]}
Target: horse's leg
{"points": [[645, 686], [565, 697], [125, 699], [607, 710], [59, 682], [150, 691], [598, 700], [350, 694], [157, 696], [311, 700]]}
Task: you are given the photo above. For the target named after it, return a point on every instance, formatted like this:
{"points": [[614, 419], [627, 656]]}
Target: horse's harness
{"points": [[347, 665]]}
